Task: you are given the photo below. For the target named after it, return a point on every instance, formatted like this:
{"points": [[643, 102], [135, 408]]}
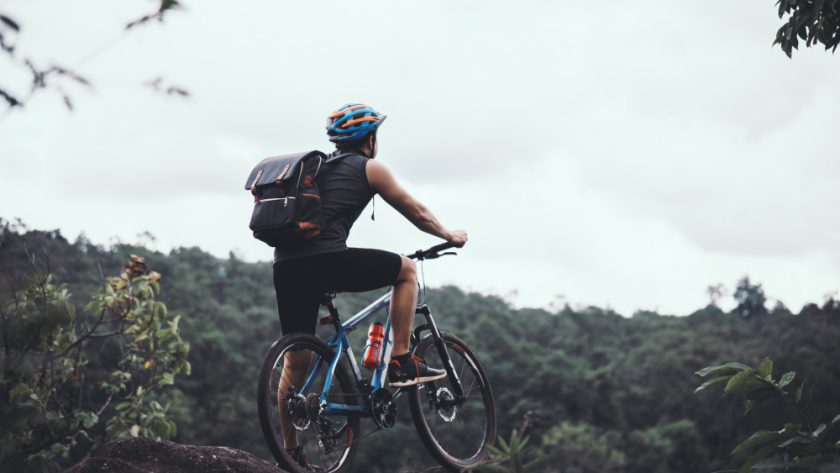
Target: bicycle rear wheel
{"points": [[457, 433], [292, 378]]}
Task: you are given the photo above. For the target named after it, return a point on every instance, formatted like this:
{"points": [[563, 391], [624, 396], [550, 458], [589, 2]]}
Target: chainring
{"points": [[383, 408]]}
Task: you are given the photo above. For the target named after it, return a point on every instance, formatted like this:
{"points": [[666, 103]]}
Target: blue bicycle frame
{"points": [[341, 346]]}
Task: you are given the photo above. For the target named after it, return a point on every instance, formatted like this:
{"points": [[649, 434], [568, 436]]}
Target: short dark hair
{"points": [[355, 145]]}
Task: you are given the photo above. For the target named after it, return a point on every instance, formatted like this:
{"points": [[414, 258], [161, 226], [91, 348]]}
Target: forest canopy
{"points": [[605, 393]]}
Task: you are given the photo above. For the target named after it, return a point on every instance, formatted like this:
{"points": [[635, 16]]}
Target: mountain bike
{"points": [[311, 392]]}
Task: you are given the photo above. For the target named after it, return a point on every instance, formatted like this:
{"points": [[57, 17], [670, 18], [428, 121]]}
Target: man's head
{"points": [[353, 127]]}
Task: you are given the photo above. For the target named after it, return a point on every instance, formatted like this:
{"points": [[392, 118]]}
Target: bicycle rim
{"points": [[458, 434], [291, 382]]}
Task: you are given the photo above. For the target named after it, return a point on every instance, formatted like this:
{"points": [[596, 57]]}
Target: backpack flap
{"points": [[278, 169], [286, 199]]}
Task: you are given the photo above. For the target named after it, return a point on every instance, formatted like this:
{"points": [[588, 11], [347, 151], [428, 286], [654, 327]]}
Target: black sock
{"points": [[401, 359]]}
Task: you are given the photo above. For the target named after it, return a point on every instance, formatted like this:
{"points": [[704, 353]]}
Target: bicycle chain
{"points": [[376, 427]]}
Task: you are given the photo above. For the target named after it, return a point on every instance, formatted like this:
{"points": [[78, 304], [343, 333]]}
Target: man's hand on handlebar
{"points": [[434, 252], [458, 238]]}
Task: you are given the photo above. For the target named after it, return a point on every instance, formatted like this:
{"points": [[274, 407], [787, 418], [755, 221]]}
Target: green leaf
{"points": [[741, 381], [787, 378], [798, 395], [750, 405], [765, 369], [495, 452], [711, 383], [763, 437], [534, 464], [492, 469], [167, 379], [503, 443], [806, 463], [792, 443], [89, 420], [721, 370], [755, 458], [819, 431]]}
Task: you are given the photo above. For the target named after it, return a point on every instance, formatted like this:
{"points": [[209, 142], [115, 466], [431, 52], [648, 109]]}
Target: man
{"points": [[348, 181]]}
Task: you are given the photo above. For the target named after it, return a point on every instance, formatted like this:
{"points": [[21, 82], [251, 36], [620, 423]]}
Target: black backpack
{"points": [[287, 203]]}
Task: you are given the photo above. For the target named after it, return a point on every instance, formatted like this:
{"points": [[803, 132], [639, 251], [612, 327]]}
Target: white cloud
{"points": [[615, 153]]}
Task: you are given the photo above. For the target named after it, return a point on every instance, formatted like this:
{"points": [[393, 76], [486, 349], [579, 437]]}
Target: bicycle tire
{"points": [[452, 457], [267, 400]]}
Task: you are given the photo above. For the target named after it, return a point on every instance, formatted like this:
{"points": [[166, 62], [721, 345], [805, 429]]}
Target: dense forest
{"points": [[605, 392]]}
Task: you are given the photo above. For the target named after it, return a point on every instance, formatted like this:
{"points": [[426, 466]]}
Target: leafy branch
{"points": [[49, 410], [812, 21], [806, 447], [43, 78]]}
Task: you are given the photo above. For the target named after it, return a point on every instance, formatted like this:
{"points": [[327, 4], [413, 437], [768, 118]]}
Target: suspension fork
{"points": [[441, 348]]}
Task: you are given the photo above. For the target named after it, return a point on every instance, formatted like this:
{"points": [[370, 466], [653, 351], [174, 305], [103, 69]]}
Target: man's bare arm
{"points": [[384, 183]]}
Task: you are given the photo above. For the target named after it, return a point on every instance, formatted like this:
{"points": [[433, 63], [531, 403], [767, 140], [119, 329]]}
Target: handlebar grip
{"points": [[441, 247], [433, 251]]}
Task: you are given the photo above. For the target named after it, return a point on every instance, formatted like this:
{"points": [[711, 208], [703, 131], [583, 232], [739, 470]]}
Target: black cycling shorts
{"points": [[300, 282]]}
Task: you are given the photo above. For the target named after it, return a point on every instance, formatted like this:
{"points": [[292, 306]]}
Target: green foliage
{"points": [[612, 393], [55, 403], [582, 448], [750, 298], [812, 21], [512, 453], [805, 446]]}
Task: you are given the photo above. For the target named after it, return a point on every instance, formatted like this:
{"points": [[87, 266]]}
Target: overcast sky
{"points": [[622, 154]]}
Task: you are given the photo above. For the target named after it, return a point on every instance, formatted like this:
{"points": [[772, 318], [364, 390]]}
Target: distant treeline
{"points": [[609, 393]]}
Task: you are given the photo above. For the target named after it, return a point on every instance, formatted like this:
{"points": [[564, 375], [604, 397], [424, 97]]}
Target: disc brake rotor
{"points": [[445, 404]]}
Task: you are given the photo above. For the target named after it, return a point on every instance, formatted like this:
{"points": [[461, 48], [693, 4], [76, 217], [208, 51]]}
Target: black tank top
{"points": [[345, 192]]}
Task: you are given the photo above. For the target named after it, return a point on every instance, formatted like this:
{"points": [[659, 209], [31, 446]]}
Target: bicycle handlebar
{"points": [[434, 252]]}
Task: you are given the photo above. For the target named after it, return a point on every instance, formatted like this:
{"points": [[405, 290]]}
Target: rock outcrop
{"points": [[141, 455]]}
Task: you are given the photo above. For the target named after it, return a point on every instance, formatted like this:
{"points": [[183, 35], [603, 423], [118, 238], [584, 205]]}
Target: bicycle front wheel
{"points": [[301, 437], [457, 432]]}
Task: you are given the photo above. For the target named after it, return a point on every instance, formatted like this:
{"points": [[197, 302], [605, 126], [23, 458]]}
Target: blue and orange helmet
{"points": [[353, 122]]}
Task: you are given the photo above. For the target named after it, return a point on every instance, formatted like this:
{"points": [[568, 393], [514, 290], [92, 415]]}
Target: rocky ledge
{"points": [[141, 455]]}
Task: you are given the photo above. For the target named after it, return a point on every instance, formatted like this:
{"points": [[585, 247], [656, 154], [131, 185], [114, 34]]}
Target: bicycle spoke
{"points": [[324, 440], [462, 427]]}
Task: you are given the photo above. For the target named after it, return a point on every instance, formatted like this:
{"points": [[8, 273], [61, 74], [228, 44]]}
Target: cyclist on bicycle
{"points": [[347, 182]]}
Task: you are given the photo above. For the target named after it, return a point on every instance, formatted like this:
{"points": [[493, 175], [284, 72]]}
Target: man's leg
{"points": [[405, 370], [297, 307], [358, 269], [294, 369], [403, 304]]}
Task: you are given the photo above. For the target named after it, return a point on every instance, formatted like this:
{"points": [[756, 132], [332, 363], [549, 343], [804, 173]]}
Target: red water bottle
{"points": [[374, 345]]}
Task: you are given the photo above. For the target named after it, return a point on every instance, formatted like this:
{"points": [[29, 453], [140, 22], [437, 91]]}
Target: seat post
{"points": [[326, 301]]}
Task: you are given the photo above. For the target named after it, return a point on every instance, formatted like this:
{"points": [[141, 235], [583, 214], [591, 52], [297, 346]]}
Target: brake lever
{"points": [[438, 255]]}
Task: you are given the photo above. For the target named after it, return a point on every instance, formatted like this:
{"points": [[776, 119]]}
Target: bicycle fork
{"points": [[440, 345]]}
